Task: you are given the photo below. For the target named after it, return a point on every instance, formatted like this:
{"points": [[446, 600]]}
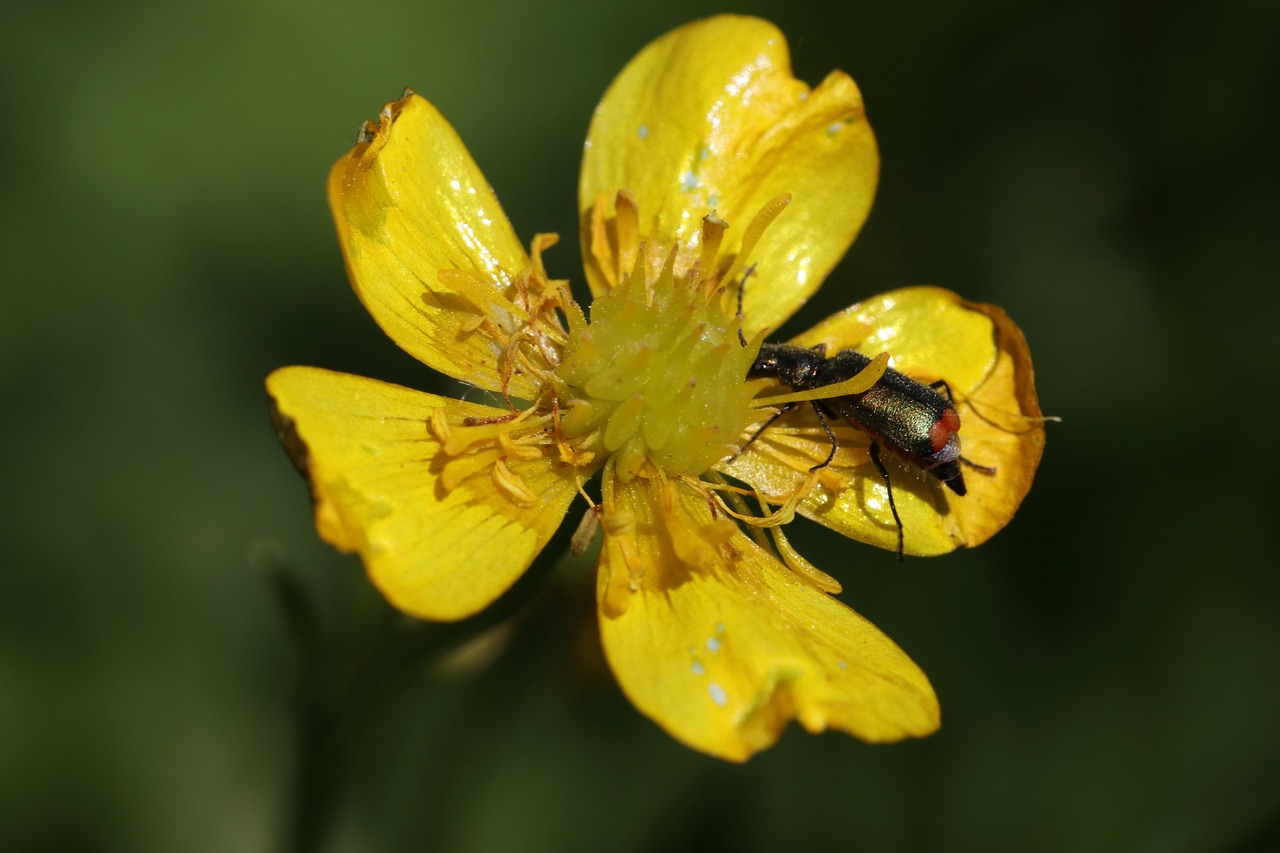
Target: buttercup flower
{"points": [[707, 166]]}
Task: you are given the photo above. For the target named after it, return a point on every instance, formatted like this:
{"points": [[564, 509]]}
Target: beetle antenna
{"points": [[784, 410], [742, 288]]}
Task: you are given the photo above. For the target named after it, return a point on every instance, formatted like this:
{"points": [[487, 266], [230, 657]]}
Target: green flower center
{"points": [[659, 375]]}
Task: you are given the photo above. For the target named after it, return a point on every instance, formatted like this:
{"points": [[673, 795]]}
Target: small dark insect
{"points": [[912, 419]]}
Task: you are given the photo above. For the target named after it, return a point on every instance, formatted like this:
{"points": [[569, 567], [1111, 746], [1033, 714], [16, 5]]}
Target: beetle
{"points": [[914, 420]]}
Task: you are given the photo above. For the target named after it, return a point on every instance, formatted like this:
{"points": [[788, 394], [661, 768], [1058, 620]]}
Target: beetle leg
{"points": [[982, 469], [941, 385], [835, 445], [884, 473]]}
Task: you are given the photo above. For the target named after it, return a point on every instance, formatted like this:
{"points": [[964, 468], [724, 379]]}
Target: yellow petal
{"points": [[722, 645], [931, 334], [709, 119], [427, 246], [376, 479]]}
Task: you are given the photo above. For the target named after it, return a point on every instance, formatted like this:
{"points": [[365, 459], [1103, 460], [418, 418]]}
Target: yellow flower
{"points": [[705, 160]]}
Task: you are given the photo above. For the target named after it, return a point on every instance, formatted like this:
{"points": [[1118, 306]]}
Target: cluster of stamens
{"points": [[659, 374], [654, 382]]}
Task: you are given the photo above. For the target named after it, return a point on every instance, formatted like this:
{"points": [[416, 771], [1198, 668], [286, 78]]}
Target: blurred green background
{"points": [[183, 666]]}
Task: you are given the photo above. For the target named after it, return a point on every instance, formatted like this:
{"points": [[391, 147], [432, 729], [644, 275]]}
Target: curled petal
{"points": [[932, 334], [708, 119], [441, 539], [427, 246], [721, 645]]}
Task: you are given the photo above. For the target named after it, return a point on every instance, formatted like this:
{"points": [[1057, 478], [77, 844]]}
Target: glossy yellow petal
{"points": [[721, 645], [427, 246], [931, 334], [441, 539], [709, 119]]}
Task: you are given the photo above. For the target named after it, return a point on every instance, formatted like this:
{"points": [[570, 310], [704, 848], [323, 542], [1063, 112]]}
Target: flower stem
{"points": [[336, 689]]}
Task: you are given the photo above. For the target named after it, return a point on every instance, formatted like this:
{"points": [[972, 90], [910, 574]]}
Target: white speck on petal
{"points": [[643, 131], [834, 128], [697, 668], [688, 182], [717, 694], [713, 644]]}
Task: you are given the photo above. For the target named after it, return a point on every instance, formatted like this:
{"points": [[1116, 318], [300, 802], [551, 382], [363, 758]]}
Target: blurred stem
{"points": [[327, 706]]}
